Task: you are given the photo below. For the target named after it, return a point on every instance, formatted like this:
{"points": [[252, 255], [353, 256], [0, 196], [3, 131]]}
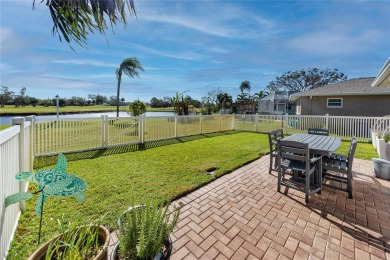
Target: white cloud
{"points": [[186, 55], [86, 62], [8, 69], [331, 42]]}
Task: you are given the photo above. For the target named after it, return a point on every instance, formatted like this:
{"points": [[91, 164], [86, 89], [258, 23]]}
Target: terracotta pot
{"points": [[104, 235]]}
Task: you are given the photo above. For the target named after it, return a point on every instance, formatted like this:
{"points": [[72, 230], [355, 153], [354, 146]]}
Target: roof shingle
{"points": [[358, 86]]}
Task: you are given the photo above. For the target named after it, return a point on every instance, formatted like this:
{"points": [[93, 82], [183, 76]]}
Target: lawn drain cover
{"points": [[211, 171]]}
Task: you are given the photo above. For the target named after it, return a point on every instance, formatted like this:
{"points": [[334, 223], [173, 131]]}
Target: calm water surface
{"points": [[8, 119]]}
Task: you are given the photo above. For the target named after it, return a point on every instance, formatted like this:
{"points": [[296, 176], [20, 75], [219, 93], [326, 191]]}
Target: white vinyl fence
{"points": [[15, 156], [81, 134]]}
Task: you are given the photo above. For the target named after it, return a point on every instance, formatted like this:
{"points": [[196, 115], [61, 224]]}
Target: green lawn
{"points": [[165, 169], [2, 127]]}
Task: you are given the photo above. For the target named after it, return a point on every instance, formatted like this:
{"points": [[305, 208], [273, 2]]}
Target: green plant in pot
{"points": [[75, 242], [144, 231]]}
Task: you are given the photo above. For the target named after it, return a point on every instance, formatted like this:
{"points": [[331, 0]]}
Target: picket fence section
{"points": [[81, 134], [16, 155]]}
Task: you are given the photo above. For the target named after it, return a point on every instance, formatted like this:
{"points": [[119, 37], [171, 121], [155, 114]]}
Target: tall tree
{"points": [[302, 80], [130, 67], [224, 100], [74, 20], [259, 95], [245, 85], [5, 96], [20, 100], [242, 97]]}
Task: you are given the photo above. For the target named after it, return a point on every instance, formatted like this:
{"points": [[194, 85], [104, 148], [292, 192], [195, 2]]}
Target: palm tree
{"points": [[245, 85], [74, 20], [130, 67], [261, 94], [242, 97], [224, 100]]}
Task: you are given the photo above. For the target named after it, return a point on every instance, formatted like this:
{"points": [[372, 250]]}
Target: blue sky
{"points": [[194, 45]]}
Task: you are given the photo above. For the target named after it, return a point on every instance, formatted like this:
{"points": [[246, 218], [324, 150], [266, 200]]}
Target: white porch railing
{"points": [[15, 156]]}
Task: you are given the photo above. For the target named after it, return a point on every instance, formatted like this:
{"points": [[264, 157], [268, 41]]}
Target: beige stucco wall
{"points": [[386, 82], [352, 106]]}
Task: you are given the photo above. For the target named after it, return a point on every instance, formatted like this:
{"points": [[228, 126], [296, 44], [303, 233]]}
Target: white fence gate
{"points": [[15, 156]]}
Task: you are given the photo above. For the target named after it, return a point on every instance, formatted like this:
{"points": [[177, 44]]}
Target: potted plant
{"points": [[76, 242], [144, 231]]}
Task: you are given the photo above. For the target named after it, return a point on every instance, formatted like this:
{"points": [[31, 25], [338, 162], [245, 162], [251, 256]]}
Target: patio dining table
{"points": [[318, 144]]}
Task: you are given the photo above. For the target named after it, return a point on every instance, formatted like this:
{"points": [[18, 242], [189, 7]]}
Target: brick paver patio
{"points": [[242, 216]]}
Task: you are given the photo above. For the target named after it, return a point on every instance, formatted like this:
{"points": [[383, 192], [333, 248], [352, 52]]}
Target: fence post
{"points": [[286, 124], [142, 132], [22, 160], [220, 122], [233, 121], [32, 141], [201, 123], [257, 122], [176, 119], [327, 121], [104, 130]]}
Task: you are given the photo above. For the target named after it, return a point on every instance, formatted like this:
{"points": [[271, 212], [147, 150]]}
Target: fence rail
{"points": [[15, 156]]}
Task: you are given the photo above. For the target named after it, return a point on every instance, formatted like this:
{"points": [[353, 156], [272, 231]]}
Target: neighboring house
{"points": [[277, 103], [353, 97]]}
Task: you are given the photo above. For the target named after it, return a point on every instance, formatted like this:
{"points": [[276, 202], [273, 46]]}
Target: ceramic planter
{"points": [[104, 235]]}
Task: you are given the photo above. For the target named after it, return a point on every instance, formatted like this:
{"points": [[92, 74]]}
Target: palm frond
{"points": [[73, 20]]}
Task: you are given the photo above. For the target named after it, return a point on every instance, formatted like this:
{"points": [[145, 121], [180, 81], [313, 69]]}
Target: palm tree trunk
{"points": [[117, 92]]}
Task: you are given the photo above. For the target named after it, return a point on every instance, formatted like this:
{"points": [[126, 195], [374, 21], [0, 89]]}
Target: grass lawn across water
{"points": [[161, 172]]}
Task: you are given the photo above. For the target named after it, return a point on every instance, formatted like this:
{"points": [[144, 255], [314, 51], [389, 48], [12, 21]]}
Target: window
{"points": [[335, 103]]}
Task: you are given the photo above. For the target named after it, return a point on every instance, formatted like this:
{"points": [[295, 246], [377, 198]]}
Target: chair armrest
{"points": [[314, 159]]}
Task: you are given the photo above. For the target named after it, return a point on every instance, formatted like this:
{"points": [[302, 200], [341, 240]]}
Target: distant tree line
{"points": [[8, 97], [215, 100]]}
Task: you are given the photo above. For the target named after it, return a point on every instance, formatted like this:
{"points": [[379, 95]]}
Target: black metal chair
{"points": [[305, 171], [338, 167], [273, 136], [318, 131]]}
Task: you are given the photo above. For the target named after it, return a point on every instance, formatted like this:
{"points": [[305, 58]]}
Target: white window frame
{"points": [[341, 101]]}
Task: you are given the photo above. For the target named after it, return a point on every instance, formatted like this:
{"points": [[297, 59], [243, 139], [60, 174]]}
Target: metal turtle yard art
{"points": [[51, 182]]}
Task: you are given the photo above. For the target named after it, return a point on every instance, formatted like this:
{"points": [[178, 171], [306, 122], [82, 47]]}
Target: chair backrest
{"points": [[318, 131], [273, 136], [351, 153], [292, 150]]}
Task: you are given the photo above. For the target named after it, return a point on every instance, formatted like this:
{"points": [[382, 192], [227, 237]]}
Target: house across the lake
{"points": [[353, 97]]}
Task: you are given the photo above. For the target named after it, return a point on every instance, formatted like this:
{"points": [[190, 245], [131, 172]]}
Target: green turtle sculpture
{"points": [[51, 182]]}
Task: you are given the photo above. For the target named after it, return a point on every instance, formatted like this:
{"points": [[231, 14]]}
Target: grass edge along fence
{"points": [[83, 134]]}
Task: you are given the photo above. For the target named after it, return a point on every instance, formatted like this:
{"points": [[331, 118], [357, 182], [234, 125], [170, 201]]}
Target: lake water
{"points": [[4, 120]]}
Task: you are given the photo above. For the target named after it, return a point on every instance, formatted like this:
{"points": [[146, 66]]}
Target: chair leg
{"points": [[279, 177], [349, 184], [307, 187], [319, 175], [270, 163]]}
